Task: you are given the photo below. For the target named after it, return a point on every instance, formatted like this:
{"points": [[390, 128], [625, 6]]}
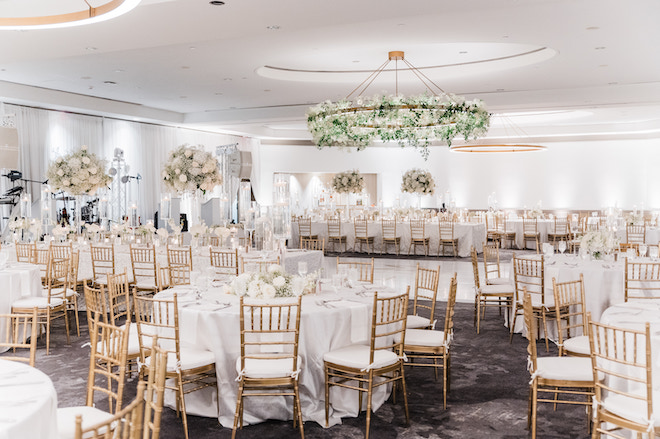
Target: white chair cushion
{"points": [[133, 341], [578, 345], [267, 368], [36, 302], [66, 419], [190, 359], [499, 281], [630, 408], [69, 292], [536, 301], [357, 356], [146, 285], [424, 337], [497, 290], [564, 368], [417, 322]]}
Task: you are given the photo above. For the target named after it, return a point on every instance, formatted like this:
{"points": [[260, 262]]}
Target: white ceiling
{"points": [[593, 71]]}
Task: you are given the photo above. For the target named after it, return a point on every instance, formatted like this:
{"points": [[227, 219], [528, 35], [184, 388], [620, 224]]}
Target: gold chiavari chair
{"points": [[162, 277], [418, 236], [365, 367], [179, 275], [19, 331], [426, 292], [305, 228], [252, 265], [490, 295], [191, 368], [636, 234], [365, 269], [560, 232], [313, 244], [556, 376], [155, 391], [61, 250], [54, 305], [446, 237], [103, 262], [179, 256], [624, 356], [121, 311], [224, 261], [390, 236], [334, 234], [642, 280], [429, 344], [96, 303], [42, 258], [531, 232], [269, 364], [492, 271], [143, 264], [571, 317], [529, 274], [362, 237], [492, 232], [504, 231], [25, 252], [107, 371], [71, 292]]}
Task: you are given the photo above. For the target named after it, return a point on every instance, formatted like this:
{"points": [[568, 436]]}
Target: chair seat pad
{"points": [[357, 356], [630, 408], [499, 281], [146, 285], [565, 368], [417, 322], [133, 341], [497, 290], [536, 302], [578, 345], [37, 302], [267, 368], [425, 337], [191, 358], [66, 419], [69, 292]]}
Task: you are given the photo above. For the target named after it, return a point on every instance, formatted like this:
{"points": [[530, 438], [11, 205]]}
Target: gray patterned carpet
{"points": [[488, 397]]}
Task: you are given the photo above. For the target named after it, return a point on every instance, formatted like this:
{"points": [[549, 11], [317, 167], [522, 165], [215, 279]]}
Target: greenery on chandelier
{"points": [[411, 121]]}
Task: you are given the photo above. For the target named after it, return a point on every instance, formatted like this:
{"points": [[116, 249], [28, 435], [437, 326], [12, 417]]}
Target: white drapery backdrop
{"points": [[44, 135]]}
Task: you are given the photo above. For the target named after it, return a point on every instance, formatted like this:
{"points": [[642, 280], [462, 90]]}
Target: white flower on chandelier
{"points": [[182, 172], [78, 173], [348, 181], [417, 181]]}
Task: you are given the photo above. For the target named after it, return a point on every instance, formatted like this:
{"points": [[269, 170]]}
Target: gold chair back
{"points": [[426, 291], [642, 280], [143, 265], [179, 256], [570, 311], [20, 332], [365, 269], [224, 261]]}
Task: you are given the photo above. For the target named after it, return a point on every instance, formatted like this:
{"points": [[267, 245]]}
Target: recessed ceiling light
{"points": [[593, 28], [600, 48], [267, 89], [356, 60], [612, 83], [192, 48], [91, 48], [273, 27], [463, 52], [500, 89], [85, 77], [216, 3], [119, 71], [183, 97], [218, 94], [244, 77], [603, 65]]}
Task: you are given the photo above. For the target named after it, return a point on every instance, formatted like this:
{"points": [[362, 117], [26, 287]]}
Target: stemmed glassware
{"points": [[562, 247], [302, 268]]}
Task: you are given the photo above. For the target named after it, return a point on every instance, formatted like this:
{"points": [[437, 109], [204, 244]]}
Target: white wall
{"points": [[572, 175]]}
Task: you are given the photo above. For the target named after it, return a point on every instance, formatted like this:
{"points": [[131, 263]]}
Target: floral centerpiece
{"points": [[275, 282], [634, 218], [78, 173], [146, 230], [417, 181], [598, 243], [536, 212], [348, 182], [190, 168]]}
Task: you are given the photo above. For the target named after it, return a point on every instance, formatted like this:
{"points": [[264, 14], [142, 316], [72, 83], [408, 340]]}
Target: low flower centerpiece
{"points": [[348, 182], [535, 213], [598, 243], [417, 181], [275, 282]]}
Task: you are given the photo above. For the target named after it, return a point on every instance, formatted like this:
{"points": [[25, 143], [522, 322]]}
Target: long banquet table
{"points": [[329, 320], [468, 234]]}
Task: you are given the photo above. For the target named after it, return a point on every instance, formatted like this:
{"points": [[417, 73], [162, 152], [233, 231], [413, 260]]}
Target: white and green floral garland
{"points": [[417, 181], [78, 173], [348, 181], [598, 243], [275, 282], [190, 168], [411, 121]]}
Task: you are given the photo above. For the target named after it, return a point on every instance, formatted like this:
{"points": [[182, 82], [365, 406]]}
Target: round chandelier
{"points": [[410, 121], [495, 144]]}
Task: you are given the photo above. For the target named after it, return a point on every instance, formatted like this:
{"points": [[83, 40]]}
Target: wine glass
{"points": [[642, 250], [562, 247], [302, 268]]}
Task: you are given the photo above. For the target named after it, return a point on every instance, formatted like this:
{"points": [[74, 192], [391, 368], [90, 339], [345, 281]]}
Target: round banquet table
{"points": [[28, 403], [329, 320]]}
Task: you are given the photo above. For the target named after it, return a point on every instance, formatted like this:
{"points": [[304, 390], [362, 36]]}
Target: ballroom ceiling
{"points": [[574, 69]]}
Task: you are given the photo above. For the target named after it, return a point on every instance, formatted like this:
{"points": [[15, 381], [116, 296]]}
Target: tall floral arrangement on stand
{"points": [[78, 173], [190, 168], [417, 181], [348, 182]]}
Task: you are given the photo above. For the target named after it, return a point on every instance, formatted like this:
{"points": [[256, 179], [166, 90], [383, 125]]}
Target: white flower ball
{"points": [[86, 160], [60, 172], [177, 171], [83, 148], [279, 282], [183, 178], [268, 291]]}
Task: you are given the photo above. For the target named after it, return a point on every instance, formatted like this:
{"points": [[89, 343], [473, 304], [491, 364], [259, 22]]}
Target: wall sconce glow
{"points": [[61, 13]]}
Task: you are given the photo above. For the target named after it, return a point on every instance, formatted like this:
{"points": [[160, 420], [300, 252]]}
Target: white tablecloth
{"points": [[28, 403], [516, 225], [323, 326], [468, 234], [18, 279]]}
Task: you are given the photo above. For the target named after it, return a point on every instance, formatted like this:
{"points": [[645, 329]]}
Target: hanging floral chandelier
{"points": [[411, 121]]}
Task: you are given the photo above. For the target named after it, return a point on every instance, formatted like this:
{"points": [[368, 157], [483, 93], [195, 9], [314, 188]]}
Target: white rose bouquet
{"points": [[190, 168], [417, 181], [274, 283], [349, 181], [597, 243], [78, 173]]}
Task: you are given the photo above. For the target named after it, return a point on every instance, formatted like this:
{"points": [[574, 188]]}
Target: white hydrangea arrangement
{"points": [[536, 212], [348, 182], [598, 243], [78, 173], [417, 181], [190, 168], [275, 282], [634, 218]]}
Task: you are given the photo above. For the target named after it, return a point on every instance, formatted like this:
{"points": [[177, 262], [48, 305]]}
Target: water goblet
{"points": [[302, 268], [642, 250], [562, 247]]}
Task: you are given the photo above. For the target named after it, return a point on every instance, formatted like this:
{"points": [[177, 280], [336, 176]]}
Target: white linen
{"points": [[28, 403]]}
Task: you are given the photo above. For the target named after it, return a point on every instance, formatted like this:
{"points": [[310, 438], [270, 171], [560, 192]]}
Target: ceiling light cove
{"points": [[438, 60]]}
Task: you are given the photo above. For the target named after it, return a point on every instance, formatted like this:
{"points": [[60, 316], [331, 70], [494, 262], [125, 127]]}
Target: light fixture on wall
{"points": [[511, 131], [60, 13], [411, 121]]}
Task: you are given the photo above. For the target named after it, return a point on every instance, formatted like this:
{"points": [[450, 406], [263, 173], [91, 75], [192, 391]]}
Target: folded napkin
{"points": [[359, 318]]}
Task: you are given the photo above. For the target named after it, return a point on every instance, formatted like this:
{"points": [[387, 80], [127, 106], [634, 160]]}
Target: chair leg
{"points": [[405, 396], [513, 324], [534, 409], [48, 333], [369, 393], [182, 398], [298, 409], [327, 395], [545, 329], [237, 415], [444, 380], [478, 313]]}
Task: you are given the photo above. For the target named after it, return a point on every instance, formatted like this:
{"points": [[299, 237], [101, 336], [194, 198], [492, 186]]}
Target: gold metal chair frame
{"points": [[103, 262], [642, 280], [260, 265], [312, 244], [180, 256], [426, 292], [21, 332], [418, 236], [531, 232], [570, 313], [446, 238], [361, 227], [365, 269], [143, 265], [334, 234], [224, 261], [493, 296], [389, 236]]}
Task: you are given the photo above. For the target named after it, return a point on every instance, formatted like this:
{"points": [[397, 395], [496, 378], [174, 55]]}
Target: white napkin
{"points": [[359, 318]]}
